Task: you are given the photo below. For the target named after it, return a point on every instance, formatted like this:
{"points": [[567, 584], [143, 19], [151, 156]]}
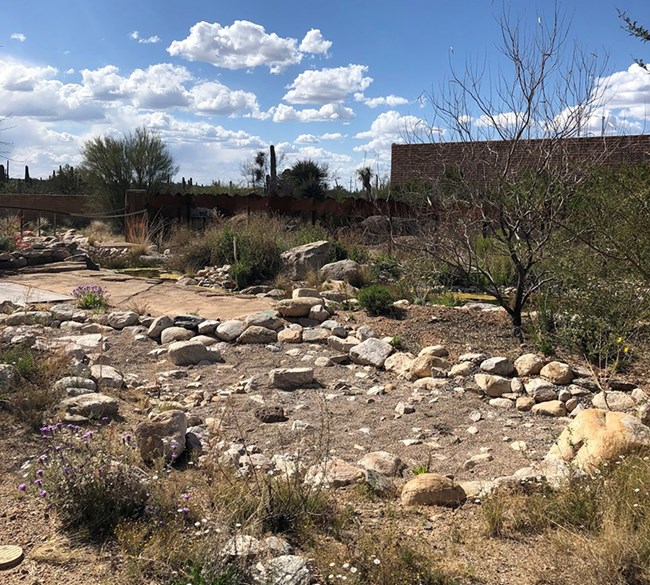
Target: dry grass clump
{"points": [[98, 232], [36, 398], [597, 528]]}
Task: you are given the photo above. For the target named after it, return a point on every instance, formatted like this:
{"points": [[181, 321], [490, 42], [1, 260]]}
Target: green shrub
{"points": [[376, 299], [7, 244], [241, 272]]}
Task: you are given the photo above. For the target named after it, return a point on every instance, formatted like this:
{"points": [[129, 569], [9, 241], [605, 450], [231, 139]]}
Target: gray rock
{"points": [[291, 378], [9, 378], [29, 318], [258, 334], [107, 376], [267, 319], [230, 330], [315, 335], [186, 353], [67, 312], [122, 319], [302, 260], [91, 406], [613, 400], [162, 436], [371, 352], [499, 366], [347, 270], [75, 382], [365, 332], [319, 313], [173, 334], [343, 345], [207, 327], [158, 325]]}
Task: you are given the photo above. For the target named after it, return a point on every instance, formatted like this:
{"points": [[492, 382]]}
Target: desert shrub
{"points": [[376, 299], [37, 396], [495, 260], [240, 272], [98, 231], [386, 268], [7, 244], [90, 489], [256, 244], [602, 319], [602, 523]]}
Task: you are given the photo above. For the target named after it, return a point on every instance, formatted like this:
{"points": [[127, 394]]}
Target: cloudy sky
{"points": [[336, 81]]}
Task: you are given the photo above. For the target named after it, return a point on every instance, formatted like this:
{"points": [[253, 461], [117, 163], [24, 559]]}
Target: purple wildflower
{"points": [[22, 487], [42, 493]]}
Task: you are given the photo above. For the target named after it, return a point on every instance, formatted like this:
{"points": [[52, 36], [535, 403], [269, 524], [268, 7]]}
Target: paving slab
{"points": [[22, 295], [144, 294]]}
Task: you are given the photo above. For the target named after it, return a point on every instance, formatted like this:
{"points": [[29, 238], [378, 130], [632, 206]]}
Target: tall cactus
{"points": [[273, 184], [27, 178], [3, 176]]}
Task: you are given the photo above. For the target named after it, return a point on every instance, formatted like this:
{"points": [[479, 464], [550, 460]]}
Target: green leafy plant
{"points": [[376, 299]]}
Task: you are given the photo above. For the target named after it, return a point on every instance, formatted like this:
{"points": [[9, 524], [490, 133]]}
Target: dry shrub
{"points": [[598, 529], [98, 232]]}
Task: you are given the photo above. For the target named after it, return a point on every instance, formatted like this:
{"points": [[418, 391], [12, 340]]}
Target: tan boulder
{"points": [[432, 489], [598, 436], [424, 364], [557, 372]]}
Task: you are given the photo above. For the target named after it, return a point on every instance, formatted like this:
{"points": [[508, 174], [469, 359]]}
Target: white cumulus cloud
{"points": [[215, 98], [332, 136], [389, 100], [388, 128], [315, 43], [307, 139], [328, 112], [241, 45], [18, 37], [135, 35], [327, 86]]}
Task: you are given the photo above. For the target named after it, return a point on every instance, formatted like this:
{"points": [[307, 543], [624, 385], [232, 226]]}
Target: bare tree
{"points": [[637, 30], [497, 192]]}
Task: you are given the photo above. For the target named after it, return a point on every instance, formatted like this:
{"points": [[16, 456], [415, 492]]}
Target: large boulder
{"points": [[297, 307], [162, 436], [258, 334], [382, 462], [346, 270], [291, 378], [122, 319], [230, 330], [158, 325], [94, 406], [301, 260], [371, 352], [187, 353], [599, 436], [107, 376], [173, 334], [432, 489]]}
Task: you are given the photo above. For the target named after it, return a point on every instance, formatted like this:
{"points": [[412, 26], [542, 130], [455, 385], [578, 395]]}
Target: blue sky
{"points": [[336, 81]]}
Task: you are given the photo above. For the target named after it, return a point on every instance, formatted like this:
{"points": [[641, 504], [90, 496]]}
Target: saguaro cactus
{"points": [[273, 183]]}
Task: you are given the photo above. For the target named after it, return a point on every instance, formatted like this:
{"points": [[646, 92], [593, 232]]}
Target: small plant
{"points": [[396, 342], [420, 469], [90, 296], [376, 299], [7, 244]]}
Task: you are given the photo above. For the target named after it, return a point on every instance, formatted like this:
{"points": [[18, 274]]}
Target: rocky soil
{"points": [[448, 390]]}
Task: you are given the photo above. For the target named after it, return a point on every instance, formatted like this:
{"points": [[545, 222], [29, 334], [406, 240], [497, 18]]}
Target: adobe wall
{"points": [[430, 162]]}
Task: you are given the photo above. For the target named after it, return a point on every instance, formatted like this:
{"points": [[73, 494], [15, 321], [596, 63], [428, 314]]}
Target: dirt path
{"points": [[145, 294]]}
